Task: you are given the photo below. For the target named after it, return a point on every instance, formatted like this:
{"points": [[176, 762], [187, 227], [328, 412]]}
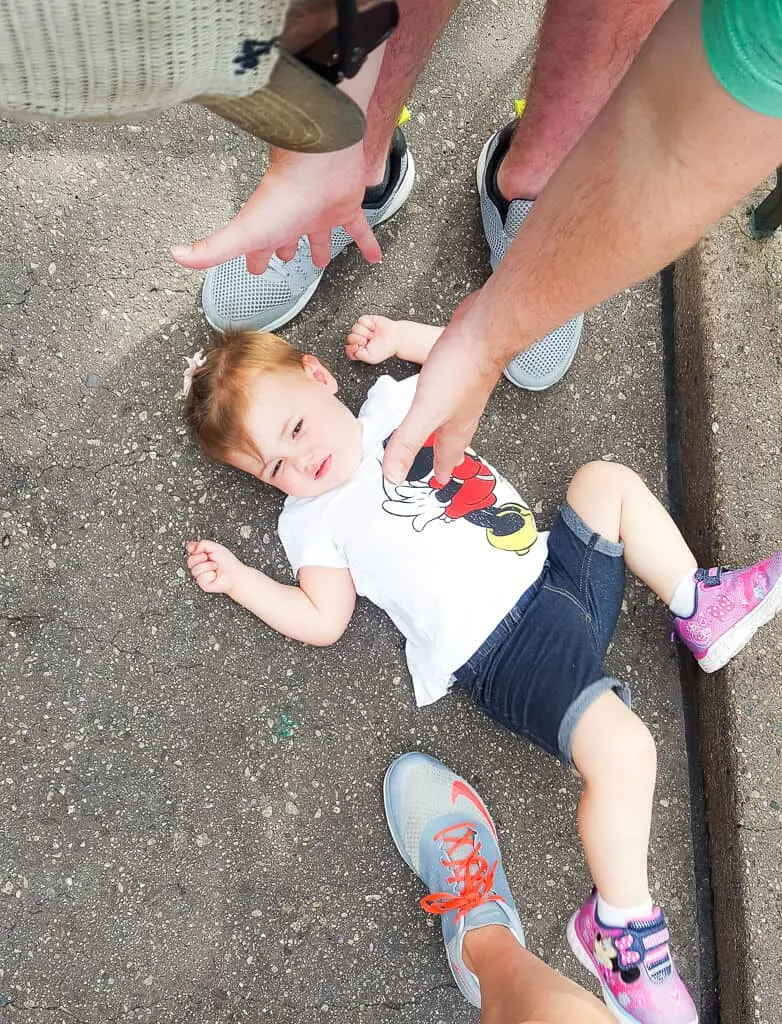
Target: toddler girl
{"points": [[521, 620]]}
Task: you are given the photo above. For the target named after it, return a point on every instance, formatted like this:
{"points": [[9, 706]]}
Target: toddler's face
{"points": [[307, 441]]}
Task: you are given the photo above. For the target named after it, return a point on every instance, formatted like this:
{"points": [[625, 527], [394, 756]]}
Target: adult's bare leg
{"points": [[421, 22], [584, 49]]}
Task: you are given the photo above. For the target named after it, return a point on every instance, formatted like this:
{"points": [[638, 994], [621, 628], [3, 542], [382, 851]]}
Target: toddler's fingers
{"points": [[355, 344], [194, 547], [367, 323], [202, 569], [197, 558], [209, 546], [364, 328], [208, 581], [363, 354]]}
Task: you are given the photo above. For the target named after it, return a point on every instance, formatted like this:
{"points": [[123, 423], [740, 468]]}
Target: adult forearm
{"points": [[420, 24], [360, 89], [287, 609], [668, 155]]}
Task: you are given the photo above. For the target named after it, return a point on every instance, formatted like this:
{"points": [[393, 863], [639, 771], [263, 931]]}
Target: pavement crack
{"points": [[6, 301], [52, 1009]]}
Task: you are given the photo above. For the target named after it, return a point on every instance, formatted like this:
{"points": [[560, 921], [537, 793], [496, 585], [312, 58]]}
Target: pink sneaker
{"points": [[633, 965], [729, 608]]}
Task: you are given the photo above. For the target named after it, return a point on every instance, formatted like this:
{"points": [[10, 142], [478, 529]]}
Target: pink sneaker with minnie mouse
{"points": [[633, 965], [729, 609]]}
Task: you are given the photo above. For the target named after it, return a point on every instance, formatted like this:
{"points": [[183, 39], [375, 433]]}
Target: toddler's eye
{"points": [[298, 427], [277, 466]]}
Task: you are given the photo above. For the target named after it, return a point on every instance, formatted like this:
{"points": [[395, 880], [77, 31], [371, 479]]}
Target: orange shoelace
{"points": [[471, 873]]}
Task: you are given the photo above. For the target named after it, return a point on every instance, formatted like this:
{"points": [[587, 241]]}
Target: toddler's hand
{"points": [[372, 339], [213, 567]]}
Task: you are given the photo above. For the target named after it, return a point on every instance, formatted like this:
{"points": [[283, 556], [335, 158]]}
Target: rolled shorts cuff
{"points": [[575, 712], [574, 522]]}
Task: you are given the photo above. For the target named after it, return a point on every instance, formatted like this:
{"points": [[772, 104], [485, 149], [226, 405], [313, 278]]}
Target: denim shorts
{"points": [[542, 666]]}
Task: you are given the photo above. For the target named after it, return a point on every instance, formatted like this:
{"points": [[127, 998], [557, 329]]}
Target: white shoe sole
{"points": [[537, 387], [608, 998], [480, 168], [398, 201], [737, 638]]}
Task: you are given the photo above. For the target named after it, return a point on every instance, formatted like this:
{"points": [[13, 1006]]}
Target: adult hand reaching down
{"points": [[453, 388], [300, 194]]}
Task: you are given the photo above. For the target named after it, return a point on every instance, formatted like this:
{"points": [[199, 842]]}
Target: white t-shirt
{"points": [[447, 564]]}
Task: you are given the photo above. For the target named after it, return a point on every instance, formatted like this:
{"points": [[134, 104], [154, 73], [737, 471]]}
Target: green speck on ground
{"points": [[287, 727]]}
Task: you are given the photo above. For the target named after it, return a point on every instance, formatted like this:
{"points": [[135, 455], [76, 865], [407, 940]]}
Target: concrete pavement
{"points": [[729, 355], [192, 812]]}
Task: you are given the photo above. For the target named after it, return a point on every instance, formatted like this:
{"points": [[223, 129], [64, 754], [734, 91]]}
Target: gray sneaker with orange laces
{"points": [[445, 834]]}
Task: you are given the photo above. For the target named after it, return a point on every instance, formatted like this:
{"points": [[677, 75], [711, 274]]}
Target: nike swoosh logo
{"points": [[460, 788]]}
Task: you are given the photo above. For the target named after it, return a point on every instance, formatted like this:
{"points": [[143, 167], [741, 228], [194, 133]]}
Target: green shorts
{"points": [[743, 42]]}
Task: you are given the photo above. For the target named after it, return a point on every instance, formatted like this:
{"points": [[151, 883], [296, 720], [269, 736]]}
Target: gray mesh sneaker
{"points": [[549, 359], [444, 832], [233, 297]]}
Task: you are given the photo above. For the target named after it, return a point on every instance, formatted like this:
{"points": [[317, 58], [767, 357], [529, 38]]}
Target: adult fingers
{"points": [[405, 443], [287, 252], [257, 261], [361, 233], [320, 247], [232, 240], [449, 445]]}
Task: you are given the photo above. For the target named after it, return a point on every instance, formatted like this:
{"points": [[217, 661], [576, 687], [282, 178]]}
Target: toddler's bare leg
{"points": [[518, 988], [610, 745], [617, 504]]}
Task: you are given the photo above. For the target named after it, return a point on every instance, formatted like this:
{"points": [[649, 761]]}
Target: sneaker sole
{"points": [[538, 387], [737, 638], [480, 167], [584, 959], [399, 199]]}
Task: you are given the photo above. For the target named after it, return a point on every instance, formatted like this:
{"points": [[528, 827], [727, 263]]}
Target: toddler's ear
{"points": [[321, 374]]}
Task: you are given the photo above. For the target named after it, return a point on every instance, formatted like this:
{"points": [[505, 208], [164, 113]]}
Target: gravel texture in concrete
{"points": [[729, 354]]}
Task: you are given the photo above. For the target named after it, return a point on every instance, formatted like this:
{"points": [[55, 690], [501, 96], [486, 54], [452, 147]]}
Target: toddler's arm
{"points": [[374, 338], [315, 612]]}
